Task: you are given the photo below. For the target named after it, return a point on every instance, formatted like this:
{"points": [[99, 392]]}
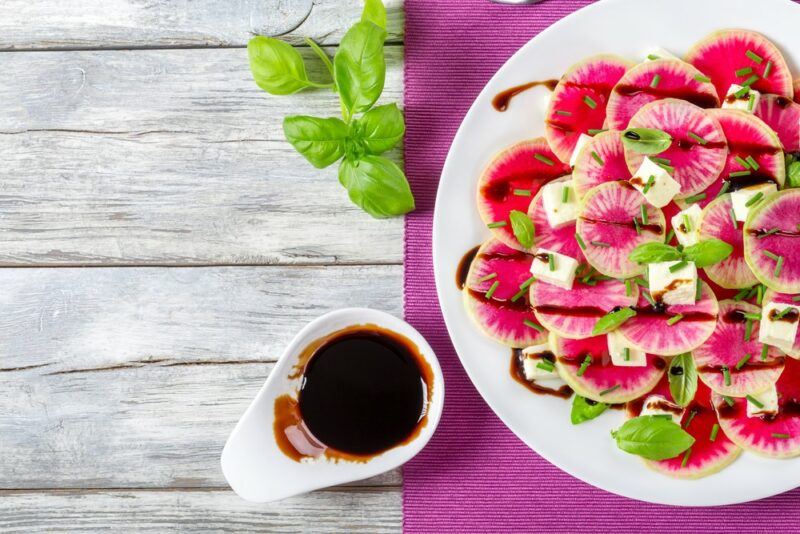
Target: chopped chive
{"points": [[649, 184], [770, 255], [563, 113], [652, 57], [544, 159], [589, 281], [764, 352], [579, 239], [589, 101], [778, 268], [656, 80], [626, 353], [767, 69], [725, 186], [518, 295], [753, 163], [752, 316], [755, 57], [678, 266], [743, 162], [695, 198], [777, 435], [744, 71], [697, 138], [674, 319], [740, 173], [600, 244], [687, 225], [645, 218], [609, 390], [692, 415], [699, 292], [551, 262], [768, 232], [584, 365], [522, 192], [743, 361], [497, 224], [754, 199], [636, 226], [728, 400], [701, 78], [487, 277], [754, 401], [492, 289], [714, 432], [751, 80], [748, 329], [796, 298], [531, 324], [565, 195], [628, 287], [593, 131], [545, 367], [662, 161], [527, 283], [760, 291], [751, 101], [667, 167], [726, 374], [597, 158], [741, 294], [640, 282], [685, 460], [649, 298], [783, 312], [670, 235]]}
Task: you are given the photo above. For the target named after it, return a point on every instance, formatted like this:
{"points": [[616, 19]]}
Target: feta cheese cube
{"points": [[659, 53], [778, 331], [655, 183], [616, 348], [563, 272], [768, 400], [559, 212], [538, 368], [659, 405], [747, 102], [689, 217], [679, 287], [583, 140], [741, 197]]}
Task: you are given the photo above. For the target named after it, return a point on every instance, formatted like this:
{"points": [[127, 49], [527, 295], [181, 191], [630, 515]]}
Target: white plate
{"points": [[627, 28]]}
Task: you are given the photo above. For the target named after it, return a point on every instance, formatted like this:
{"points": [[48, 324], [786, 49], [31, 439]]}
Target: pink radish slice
{"points": [[605, 224], [696, 164], [774, 436], [498, 316], [783, 298], [578, 103], [602, 381], [727, 347], [560, 239], [796, 86], [717, 222], [574, 313], [649, 331], [511, 180], [721, 54], [782, 115], [656, 80], [602, 160], [772, 230]]}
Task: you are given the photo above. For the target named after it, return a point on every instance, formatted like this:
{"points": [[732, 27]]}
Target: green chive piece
{"points": [[755, 57], [585, 365], [754, 401], [728, 400], [685, 460], [744, 71], [767, 69], [662, 161], [697, 138], [565, 195], [597, 158], [702, 79], [589, 101], [609, 390], [741, 294], [771, 256], [636, 226], [742, 92], [752, 316], [531, 324], [751, 80], [699, 292], [545, 367], [777, 435], [600, 244], [748, 329], [778, 268], [743, 361], [783, 312], [579, 239], [714, 432], [740, 173], [593, 131], [563, 113], [649, 184], [764, 352], [796, 298], [726, 374], [522, 192], [487, 277], [645, 218], [670, 235], [760, 291], [652, 57], [551, 261], [751, 101], [649, 298], [753, 163], [687, 225], [695, 198], [667, 168], [674, 319], [492, 289], [640, 282], [497, 224], [692, 415], [544, 159], [523, 287], [754, 199], [678, 266], [626, 353], [768, 232], [742, 162], [628, 287], [724, 189], [656, 81]]}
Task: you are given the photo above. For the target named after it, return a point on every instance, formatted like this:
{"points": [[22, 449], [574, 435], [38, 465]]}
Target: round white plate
{"points": [[627, 28]]}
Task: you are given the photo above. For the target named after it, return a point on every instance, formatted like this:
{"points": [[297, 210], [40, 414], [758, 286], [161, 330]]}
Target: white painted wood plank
{"points": [[354, 510], [134, 377], [169, 157], [53, 24]]}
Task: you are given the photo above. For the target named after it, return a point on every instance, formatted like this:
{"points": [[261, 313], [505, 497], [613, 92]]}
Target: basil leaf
{"points": [[646, 140], [377, 186], [612, 321], [585, 410], [522, 226], [276, 66], [320, 141], [379, 129], [652, 437], [359, 66], [654, 251], [682, 379], [707, 252], [793, 174], [374, 12]]}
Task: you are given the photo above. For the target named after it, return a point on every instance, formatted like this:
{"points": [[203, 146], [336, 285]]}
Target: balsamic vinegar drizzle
{"points": [[518, 374], [502, 99]]}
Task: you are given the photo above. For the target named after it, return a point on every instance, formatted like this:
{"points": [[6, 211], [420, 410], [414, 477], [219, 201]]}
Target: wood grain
{"points": [[106, 24], [170, 157]]}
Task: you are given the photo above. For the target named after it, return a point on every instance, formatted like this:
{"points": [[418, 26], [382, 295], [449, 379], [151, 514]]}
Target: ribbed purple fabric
{"points": [[475, 475]]}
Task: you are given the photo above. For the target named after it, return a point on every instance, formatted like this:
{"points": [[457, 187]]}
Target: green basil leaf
{"points": [[379, 129], [585, 410], [707, 252], [374, 12], [682, 379], [522, 226], [612, 321], [359, 66], [276, 66], [652, 437], [793, 174], [377, 186], [320, 141], [646, 140], [653, 252]]}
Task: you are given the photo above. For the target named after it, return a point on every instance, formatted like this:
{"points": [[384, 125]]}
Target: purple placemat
{"points": [[475, 475]]}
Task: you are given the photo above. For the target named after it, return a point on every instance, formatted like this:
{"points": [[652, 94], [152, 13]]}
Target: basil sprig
{"points": [[704, 253], [584, 410], [522, 226], [358, 73], [612, 321], [653, 252], [652, 437], [646, 140], [682, 379]]}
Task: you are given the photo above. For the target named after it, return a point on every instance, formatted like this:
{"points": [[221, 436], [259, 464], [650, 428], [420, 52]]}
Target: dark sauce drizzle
{"points": [[518, 374], [700, 99], [654, 228], [502, 99]]}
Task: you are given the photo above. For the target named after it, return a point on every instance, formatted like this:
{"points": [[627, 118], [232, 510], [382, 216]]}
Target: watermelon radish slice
{"points": [[506, 321], [782, 115], [706, 457], [783, 298], [721, 359], [606, 227], [772, 241], [601, 381], [775, 436], [721, 54], [511, 180], [574, 313], [578, 103], [673, 79], [560, 239], [697, 164], [716, 222], [602, 160], [649, 331]]}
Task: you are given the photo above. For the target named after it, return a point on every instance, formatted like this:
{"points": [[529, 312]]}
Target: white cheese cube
{"points": [[563, 272], [740, 198], [583, 140], [768, 400], [616, 348], [659, 53], [559, 212], [659, 405], [691, 217], [538, 369], [747, 102], [775, 331], [659, 186], [679, 287]]}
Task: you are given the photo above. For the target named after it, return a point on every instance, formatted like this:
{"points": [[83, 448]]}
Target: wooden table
{"points": [[161, 242]]}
